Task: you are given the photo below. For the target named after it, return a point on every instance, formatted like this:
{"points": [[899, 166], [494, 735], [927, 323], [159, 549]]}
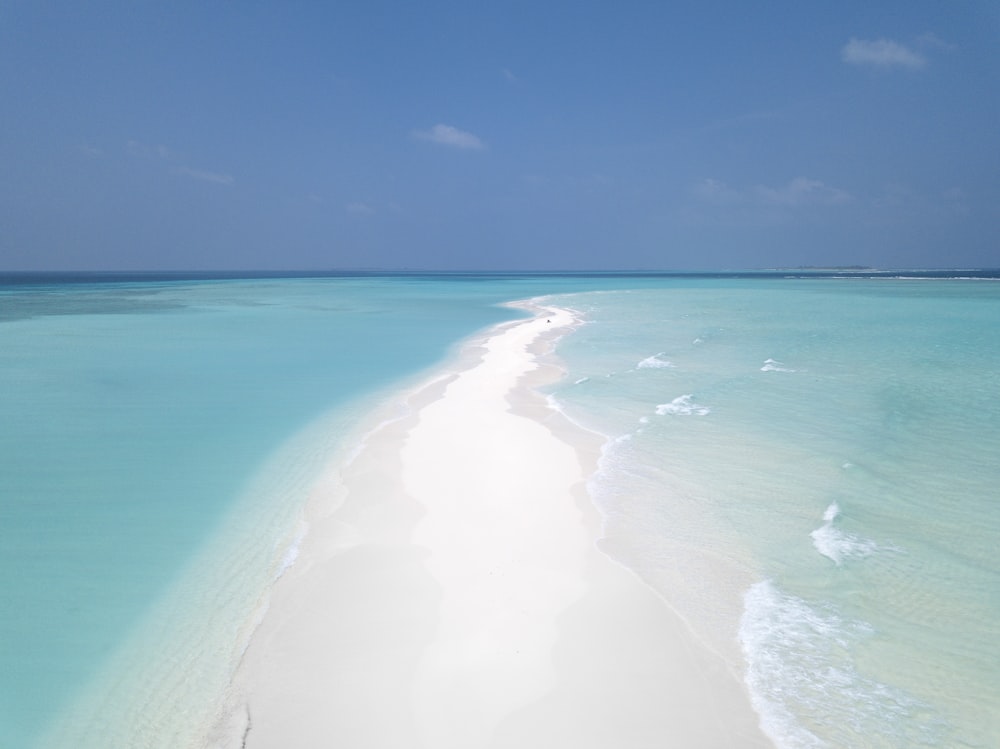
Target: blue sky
{"points": [[526, 135]]}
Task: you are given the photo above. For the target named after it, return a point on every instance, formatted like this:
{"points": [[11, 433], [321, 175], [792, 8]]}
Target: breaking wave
{"points": [[837, 545], [682, 406], [654, 362], [772, 365]]}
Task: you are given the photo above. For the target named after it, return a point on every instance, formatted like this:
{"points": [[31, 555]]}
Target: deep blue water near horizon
{"points": [[804, 467]]}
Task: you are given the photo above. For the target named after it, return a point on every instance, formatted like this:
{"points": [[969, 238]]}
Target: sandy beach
{"points": [[454, 598]]}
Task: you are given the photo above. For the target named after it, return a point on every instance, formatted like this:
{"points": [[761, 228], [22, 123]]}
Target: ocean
{"points": [[807, 469], [804, 467]]}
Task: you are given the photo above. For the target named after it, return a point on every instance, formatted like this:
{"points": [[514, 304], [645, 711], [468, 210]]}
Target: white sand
{"points": [[456, 599]]}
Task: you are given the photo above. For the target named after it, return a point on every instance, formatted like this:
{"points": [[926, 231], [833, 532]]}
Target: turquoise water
{"points": [[808, 471], [804, 468], [147, 425]]}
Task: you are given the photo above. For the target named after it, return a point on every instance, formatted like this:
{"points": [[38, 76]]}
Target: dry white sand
{"points": [[456, 599]]}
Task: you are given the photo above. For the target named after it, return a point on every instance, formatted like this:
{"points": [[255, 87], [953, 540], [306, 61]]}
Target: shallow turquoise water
{"points": [[833, 445], [136, 416], [804, 468]]}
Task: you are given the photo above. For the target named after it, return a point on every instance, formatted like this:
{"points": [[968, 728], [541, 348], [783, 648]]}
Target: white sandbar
{"points": [[455, 598]]}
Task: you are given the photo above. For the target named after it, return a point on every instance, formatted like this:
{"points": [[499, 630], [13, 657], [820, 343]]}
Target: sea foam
{"points": [[682, 405], [803, 681], [837, 545], [655, 362]]}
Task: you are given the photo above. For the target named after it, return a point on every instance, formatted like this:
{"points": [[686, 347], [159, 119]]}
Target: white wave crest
{"points": [[772, 365], [682, 406], [552, 402], [654, 362], [836, 545]]}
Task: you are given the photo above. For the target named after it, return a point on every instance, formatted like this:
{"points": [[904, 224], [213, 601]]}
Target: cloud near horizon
{"points": [[446, 135], [881, 53]]}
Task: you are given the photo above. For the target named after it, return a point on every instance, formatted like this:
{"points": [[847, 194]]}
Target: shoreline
{"points": [[456, 596]]}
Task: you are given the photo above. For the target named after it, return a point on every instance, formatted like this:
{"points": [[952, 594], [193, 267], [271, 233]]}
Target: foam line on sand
{"points": [[455, 598]]}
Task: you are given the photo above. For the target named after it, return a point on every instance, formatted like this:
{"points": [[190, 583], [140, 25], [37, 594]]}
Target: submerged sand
{"points": [[453, 597]]}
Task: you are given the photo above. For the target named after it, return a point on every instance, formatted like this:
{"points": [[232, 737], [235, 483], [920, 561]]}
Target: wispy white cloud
{"points": [[717, 192], [508, 76], [903, 203], [800, 191], [446, 135], [932, 40], [145, 151], [139, 150], [881, 53], [360, 209], [205, 176], [894, 195]]}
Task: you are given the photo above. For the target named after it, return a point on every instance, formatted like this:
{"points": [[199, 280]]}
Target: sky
{"points": [[499, 135]]}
